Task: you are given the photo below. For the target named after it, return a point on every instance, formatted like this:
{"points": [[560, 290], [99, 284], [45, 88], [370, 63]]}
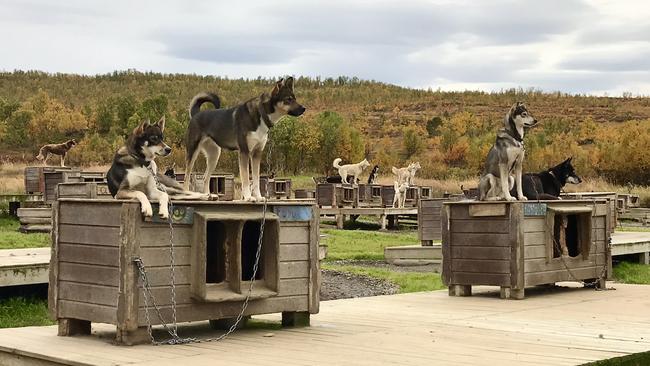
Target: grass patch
{"points": [[10, 238], [346, 244], [636, 359], [634, 273], [23, 312], [407, 281]]}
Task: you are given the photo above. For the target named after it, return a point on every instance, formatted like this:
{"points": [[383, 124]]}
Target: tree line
{"points": [[448, 132]]}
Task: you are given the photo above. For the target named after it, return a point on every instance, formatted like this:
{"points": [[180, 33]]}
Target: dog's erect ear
{"points": [[276, 88], [140, 129], [289, 82], [161, 124]]}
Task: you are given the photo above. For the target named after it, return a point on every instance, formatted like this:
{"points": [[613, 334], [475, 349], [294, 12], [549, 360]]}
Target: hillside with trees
{"points": [[448, 132]]}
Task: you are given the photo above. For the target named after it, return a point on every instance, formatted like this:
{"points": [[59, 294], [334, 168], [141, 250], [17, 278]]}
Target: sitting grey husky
{"points": [[506, 157], [244, 128]]}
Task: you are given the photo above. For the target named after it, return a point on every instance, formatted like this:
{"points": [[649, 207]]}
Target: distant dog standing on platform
{"points": [[407, 174], [56, 149], [353, 170], [244, 128]]}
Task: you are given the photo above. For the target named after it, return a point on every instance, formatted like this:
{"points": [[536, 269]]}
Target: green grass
{"points": [[637, 359], [10, 238], [346, 244], [407, 281], [23, 312], [635, 273]]}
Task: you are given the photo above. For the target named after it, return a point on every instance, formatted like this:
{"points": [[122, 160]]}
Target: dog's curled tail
{"points": [[337, 163], [395, 171], [199, 99]]}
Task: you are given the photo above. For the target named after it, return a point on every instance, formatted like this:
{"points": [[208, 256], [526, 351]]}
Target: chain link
{"points": [[148, 294]]}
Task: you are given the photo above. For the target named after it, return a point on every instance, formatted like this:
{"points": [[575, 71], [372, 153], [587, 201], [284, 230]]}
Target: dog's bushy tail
{"points": [[337, 163], [199, 99], [395, 171]]}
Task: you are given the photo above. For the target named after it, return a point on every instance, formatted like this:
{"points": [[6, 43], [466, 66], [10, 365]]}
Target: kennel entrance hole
{"points": [[376, 192], [348, 194], [571, 231], [249, 242], [218, 185], [215, 252]]}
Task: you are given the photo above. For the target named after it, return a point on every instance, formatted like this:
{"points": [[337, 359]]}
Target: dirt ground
{"points": [[340, 285]]}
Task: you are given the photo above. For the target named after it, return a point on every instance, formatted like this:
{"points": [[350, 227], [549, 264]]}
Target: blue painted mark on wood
{"points": [[293, 213], [535, 209]]}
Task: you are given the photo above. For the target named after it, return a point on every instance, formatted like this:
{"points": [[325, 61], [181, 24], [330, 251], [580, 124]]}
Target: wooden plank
{"points": [[535, 251], [294, 234], [474, 278], [158, 235], [447, 255], [534, 224], [88, 254], [294, 252], [53, 288], [88, 293], [127, 302], [92, 235], [84, 311], [91, 213], [34, 212], [484, 210], [480, 265], [559, 275], [158, 257], [480, 239], [298, 269], [480, 226], [479, 252], [536, 238], [517, 247], [539, 265], [293, 287], [91, 274]]}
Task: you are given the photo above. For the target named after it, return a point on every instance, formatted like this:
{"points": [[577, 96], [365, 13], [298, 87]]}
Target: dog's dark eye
{"points": [[154, 139], [524, 114]]}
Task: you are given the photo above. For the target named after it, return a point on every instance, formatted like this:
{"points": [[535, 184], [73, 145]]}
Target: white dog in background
{"points": [[347, 170], [400, 194], [407, 174]]}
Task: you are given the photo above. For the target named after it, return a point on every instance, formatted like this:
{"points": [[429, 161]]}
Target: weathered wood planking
{"points": [[429, 229], [517, 245], [94, 277]]}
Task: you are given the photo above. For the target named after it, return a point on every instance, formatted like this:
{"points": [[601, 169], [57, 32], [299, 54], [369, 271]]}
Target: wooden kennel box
{"points": [[277, 188], [94, 276], [304, 193], [426, 192], [53, 178], [515, 245], [221, 184], [429, 213], [83, 190], [387, 196], [93, 177], [412, 196], [369, 195], [35, 177], [610, 197], [337, 195]]}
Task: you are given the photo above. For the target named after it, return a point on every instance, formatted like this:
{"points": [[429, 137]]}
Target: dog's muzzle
{"points": [[165, 151], [297, 111]]}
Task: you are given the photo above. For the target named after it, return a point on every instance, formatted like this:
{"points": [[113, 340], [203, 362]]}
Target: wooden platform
{"points": [[414, 255], [24, 266], [387, 215], [559, 326], [630, 242]]}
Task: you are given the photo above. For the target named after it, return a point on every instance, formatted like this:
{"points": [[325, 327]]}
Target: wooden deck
{"points": [[24, 266], [560, 326], [387, 215], [629, 242]]}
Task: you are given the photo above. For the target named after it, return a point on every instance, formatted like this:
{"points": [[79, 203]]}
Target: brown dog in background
{"points": [[56, 149]]}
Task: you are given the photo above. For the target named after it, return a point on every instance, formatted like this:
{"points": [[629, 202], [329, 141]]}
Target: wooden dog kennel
{"points": [[35, 178], [515, 245], [429, 229], [304, 193], [369, 195], [221, 184], [93, 177], [94, 276], [426, 192], [337, 195], [83, 190], [53, 178], [277, 188], [412, 196], [387, 196]]}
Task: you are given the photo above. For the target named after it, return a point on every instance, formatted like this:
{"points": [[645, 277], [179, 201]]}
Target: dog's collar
{"points": [[264, 115], [141, 160], [515, 134]]}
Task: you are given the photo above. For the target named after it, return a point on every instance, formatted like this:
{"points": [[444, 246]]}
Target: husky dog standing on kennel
{"points": [[244, 127], [506, 157]]}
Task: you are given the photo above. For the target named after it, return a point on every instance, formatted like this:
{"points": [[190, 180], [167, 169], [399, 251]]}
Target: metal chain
{"points": [[173, 332]]}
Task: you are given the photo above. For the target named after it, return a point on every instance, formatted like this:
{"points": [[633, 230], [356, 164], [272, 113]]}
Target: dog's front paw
{"points": [[510, 198], [523, 198], [146, 210], [164, 214]]}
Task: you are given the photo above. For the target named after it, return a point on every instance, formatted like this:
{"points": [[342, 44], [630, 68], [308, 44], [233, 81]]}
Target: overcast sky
{"points": [[590, 46]]}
